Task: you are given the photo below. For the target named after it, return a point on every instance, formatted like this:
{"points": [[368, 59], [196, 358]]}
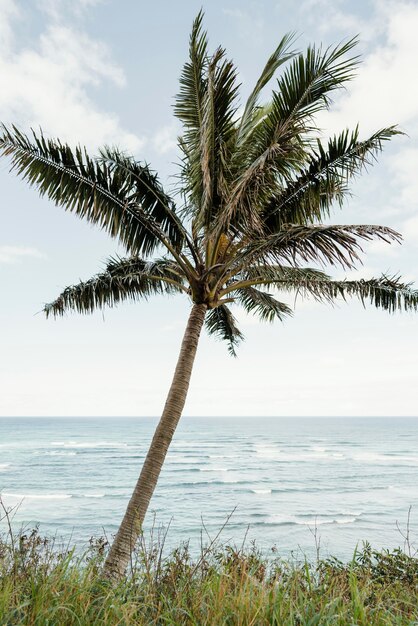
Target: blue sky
{"points": [[101, 71]]}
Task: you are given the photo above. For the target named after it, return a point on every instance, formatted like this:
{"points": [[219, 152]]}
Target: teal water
{"points": [[350, 478]]}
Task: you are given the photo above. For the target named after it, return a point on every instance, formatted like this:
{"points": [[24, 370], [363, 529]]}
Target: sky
{"points": [[105, 72]]}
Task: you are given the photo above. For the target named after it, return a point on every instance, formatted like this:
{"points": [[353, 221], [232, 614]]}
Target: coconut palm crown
{"points": [[255, 187]]}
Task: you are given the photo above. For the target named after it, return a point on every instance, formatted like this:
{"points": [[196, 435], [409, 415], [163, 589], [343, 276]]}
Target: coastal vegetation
{"points": [[247, 225], [43, 584]]}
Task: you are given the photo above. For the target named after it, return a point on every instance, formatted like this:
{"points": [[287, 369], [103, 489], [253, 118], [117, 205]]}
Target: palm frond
{"points": [[280, 56], [147, 191], [75, 181], [129, 279], [206, 176], [277, 146], [262, 304], [217, 128], [260, 274], [324, 180], [387, 292], [272, 272], [221, 323], [257, 173], [188, 108], [306, 85], [335, 245], [163, 269], [188, 105]]}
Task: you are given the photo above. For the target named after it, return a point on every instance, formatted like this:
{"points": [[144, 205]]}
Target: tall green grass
{"points": [[42, 584]]}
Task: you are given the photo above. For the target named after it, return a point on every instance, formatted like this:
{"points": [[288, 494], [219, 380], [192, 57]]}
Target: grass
{"points": [[44, 585]]}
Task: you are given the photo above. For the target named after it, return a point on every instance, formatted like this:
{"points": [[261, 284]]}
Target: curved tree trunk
{"points": [[130, 528]]}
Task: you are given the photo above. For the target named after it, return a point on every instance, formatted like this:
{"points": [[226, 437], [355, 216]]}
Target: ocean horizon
{"points": [[279, 481]]}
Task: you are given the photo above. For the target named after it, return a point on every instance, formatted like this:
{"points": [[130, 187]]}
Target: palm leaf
{"points": [[310, 196], [221, 323], [280, 56], [80, 184], [336, 244], [277, 144], [188, 105], [262, 304], [189, 109], [123, 280], [206, 176], [269, 274], [147, 191], [387, 292], [217, 129], [306, 85]]}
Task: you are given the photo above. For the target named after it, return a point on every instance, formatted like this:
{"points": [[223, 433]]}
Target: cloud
{"points": [[250, 24], [15, 254], [8, 12], [165, 140], [382, 248], [60, 9], [383, 92], [404, 166], [340, 20], [337, 19], [48, 83], [410, 230]]}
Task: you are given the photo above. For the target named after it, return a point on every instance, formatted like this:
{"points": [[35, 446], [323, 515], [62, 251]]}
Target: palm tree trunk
{"points": [[130, 528]]}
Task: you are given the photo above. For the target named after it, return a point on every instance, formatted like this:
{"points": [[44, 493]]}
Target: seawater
{"points": [[281, 480]]}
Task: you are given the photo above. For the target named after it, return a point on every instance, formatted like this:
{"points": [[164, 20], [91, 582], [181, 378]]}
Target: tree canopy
{"points": [[255, 188]]}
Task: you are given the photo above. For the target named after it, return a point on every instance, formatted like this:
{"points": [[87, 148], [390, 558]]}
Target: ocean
{"points": [[280, 481]]}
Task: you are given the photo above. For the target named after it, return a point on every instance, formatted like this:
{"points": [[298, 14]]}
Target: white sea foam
{"points": [[227, 481], [192, 445], [94, 495], [311, 522], [374, 457], [351, 513], [4, 466], [267, 451], [95, 444], [213, 469], [183, 460], [89, 444], [323, 521], [315, 521], [56, 453], [261, 490], [281, 519], [285, 456], [37, 496]]}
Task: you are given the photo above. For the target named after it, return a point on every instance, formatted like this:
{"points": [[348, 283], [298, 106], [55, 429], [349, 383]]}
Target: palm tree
{"points": [[255, 186]]}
